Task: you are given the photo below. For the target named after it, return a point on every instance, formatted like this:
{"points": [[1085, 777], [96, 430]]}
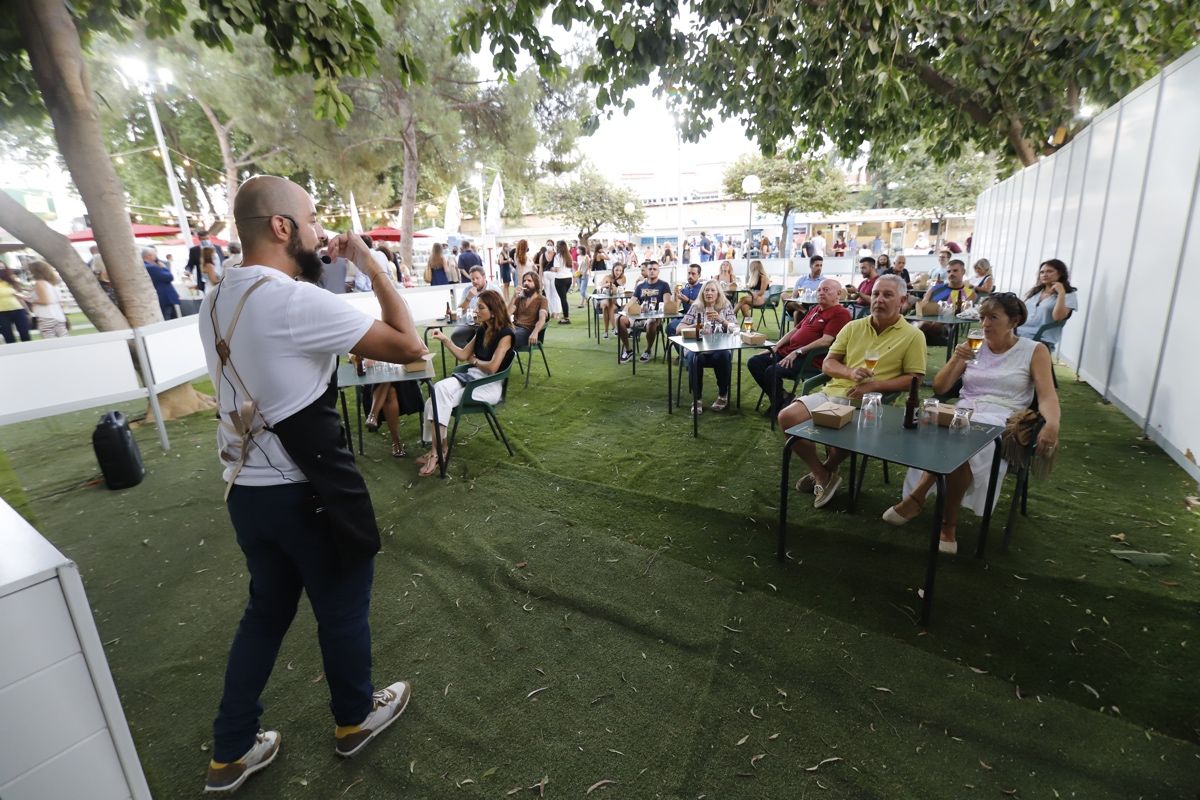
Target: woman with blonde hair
{"points": [[436, 273], [981, 281], [51, 319], [725, 276], [713, 313], [757, 283]]}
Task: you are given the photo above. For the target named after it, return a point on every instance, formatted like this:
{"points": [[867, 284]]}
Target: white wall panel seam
{"points": [[1099, 231], [1137, 220], [1075, 237]]}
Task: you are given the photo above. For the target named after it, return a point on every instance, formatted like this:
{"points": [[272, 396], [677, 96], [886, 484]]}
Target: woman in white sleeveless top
{"points": [[51, 319], [1002, 381]]}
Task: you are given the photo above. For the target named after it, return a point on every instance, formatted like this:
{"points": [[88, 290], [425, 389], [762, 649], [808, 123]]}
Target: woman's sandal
{"points": [[894, 517], [399, 450], [429, 467], [372, 423]]}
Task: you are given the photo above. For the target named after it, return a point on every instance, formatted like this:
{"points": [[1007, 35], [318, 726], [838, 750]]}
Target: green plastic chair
{"points": [[808, 369], [469, 405], [770, 303], [528, 350]]}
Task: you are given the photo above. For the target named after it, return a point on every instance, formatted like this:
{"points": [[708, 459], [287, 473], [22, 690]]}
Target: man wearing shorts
{"points": [[901, 351]]}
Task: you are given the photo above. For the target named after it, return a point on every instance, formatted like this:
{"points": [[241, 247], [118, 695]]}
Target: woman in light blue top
{"points": [[1052, 299]]}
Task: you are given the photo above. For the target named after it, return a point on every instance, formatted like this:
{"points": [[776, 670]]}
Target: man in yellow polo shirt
{"points": [[901, 351]]}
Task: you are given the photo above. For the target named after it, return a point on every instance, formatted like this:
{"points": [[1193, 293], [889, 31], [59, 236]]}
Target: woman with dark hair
{"points": [[563, 268], [998, 381], [51, 319], [1051, 299], [435, 271], [212, 271], [489, 351], [613, 284], [12, 308]]}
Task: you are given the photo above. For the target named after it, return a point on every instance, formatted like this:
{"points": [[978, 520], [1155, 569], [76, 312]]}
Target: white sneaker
{"points": [[389, 704], [227, 778]]}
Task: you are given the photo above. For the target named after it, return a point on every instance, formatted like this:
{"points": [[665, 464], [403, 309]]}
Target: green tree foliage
{"points": [[914, 180], [789, 184], [588, 202], [1000, 75]]}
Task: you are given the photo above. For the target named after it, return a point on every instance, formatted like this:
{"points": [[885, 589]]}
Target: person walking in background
{"points": [[164, 283], [13, 314], [563, 270], [51, 319], [583, 269], [436, 272], [193, 266]]}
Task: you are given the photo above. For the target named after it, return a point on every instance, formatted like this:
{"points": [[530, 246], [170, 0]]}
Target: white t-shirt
{"points": [[818, 242], [285, 347]]}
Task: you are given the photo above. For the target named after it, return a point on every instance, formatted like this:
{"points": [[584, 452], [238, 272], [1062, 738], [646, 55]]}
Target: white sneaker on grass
{"points": [[389, 704], [227, 778]]}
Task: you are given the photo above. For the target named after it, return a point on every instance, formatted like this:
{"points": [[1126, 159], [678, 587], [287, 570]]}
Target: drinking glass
{"points": [[975, 341], [961, 423], [871, 411], [747, 324], [871, 358], [929, 414]]}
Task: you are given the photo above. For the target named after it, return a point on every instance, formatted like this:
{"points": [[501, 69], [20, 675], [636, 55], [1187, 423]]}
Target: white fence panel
{"points": [[174, 350], [1123, 210], [58, 376]]}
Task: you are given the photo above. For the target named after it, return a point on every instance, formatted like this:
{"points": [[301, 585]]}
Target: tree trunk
{"points": [[1016, 140], [228, 164], [408, 190], [57, 250], [56, 55]]}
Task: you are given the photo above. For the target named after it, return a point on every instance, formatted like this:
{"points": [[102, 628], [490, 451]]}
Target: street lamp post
{"points": [[477, 182], [137, 73], [629, 209], [751, 187]]}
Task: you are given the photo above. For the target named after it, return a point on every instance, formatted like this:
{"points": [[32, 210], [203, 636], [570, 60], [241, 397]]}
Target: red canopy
{"points": [[390, 235], [139, 232]]}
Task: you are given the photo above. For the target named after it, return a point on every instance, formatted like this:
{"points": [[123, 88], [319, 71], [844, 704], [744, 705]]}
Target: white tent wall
{"points": [[1120, 206]]}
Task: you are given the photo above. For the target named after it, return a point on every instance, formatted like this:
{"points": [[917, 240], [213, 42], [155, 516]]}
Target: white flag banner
{"points": [[355, 222], [453, 213], [495, 207]]}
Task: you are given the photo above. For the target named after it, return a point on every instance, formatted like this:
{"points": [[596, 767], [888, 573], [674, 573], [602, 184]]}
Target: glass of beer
{"points": [[871, 359], [975, 341], [747, 324]]}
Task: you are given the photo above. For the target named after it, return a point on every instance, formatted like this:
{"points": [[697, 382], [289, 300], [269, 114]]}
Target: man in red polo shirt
{"points": [[866, 266], [818, 328]]}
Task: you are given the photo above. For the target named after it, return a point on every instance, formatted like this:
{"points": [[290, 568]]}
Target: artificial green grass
{"points": [[628, 571]]}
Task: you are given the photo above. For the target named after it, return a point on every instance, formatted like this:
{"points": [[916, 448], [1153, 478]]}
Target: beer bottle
{"points": [[448, 312], [911, 409], [360, 369]]}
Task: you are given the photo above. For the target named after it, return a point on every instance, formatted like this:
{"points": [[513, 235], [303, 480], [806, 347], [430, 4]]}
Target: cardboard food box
{"points": [[928, 308], [633, 308], [414, 366], [753, 337], [689, 331], [945, 414], [671, 307], [832, 415]]}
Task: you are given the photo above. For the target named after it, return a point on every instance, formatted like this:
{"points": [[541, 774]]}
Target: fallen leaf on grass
{"points": [[522, 564], [1117, 537], [742, 740], [882, 689], [985, 765], [820, 764], [1143, 559], [599, 784], [536, 691], [1192, 501], [489, 772], [734, 630], [1169, 584], [979, 671], [772, 737], [1089, 688], [754, 760], [464, 782]]}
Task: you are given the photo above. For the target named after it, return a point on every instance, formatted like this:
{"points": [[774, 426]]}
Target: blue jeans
{"points": [[288, 548], [721, 363], [583, 282]]}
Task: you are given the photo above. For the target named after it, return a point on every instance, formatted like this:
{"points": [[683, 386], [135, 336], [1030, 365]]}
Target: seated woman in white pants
{"points": [[488, 352], [998, 383]]}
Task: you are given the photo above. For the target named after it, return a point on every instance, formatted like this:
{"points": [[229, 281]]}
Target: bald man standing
{"points": [[299, 507]]}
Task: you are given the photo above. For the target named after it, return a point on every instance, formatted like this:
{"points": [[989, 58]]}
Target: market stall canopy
{"points": [[139, 232]]}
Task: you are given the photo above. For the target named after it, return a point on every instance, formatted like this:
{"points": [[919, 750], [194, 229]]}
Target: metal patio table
{"points": [[710, 343], [348, 378], [934, 450]]}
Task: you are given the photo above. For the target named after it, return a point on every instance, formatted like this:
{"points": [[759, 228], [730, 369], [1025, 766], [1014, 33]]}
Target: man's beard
{"points": [[525, 290], [306, 260]]}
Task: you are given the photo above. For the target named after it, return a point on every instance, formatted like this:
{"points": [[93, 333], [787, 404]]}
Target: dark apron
{"points": [[315, 440]]}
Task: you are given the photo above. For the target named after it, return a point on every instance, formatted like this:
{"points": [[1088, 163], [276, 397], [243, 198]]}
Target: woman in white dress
{"points": [[549, 274], [1002, 380]]}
